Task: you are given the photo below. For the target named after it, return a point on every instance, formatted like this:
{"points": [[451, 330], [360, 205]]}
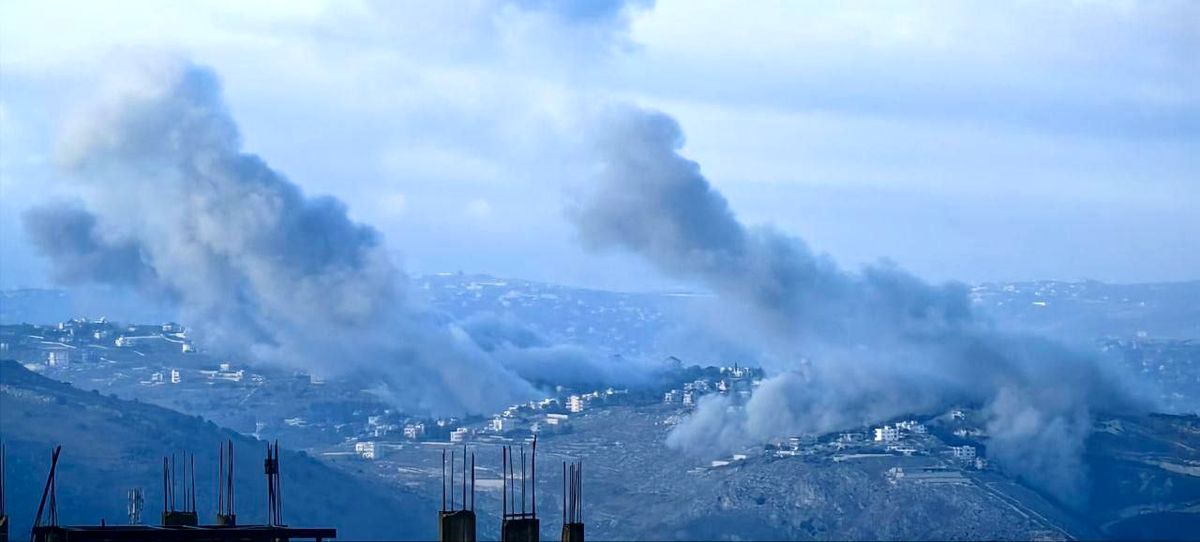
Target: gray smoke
{"points": [[173, 208], [70, 231], [537, 359], [845, 349]]}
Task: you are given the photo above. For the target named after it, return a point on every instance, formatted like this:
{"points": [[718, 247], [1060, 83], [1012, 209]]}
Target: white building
{"points": [[887, 433], [414, 430], [912, 426], [58, 358], [803, 440], [126, 341], [965, 453], [575, 403], [368, 450], [555, 422], [460, 434], [502, 424], [176, 377], [671, 397], [689, 398], [225, 374]]}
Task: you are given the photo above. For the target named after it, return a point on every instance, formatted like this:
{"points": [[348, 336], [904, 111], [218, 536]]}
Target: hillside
{"points": [[111, 445]]}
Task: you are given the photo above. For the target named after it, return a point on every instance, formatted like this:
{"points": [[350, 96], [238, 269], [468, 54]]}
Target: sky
{"points": [[974, 141]]}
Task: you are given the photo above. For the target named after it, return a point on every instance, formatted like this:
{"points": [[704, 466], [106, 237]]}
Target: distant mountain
{"points": [[1085, 314], [632, 322], [1086, 310], [34, 306], [619, 322], [47, 306], [111, 445]]}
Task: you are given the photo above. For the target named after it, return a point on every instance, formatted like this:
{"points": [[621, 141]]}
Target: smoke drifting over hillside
{"points": [[173, 208], [845, 348], [537, 359]]}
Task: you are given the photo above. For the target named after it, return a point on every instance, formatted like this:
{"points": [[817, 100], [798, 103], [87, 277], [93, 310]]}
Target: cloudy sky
{"points": [[962, 140]]}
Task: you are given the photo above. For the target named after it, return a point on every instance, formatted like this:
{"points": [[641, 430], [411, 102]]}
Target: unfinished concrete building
{"points": [[523, 525], [179, 518], [572, 527], [456, 523]]}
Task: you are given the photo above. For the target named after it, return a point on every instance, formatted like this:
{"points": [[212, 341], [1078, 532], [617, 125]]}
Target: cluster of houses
{"points": [[83, 340], [548, 415], [907, 437], [897, 431], [729, 380]]}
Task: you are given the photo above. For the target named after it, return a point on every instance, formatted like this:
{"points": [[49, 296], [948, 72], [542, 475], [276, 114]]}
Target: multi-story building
{"points": [[503, 424], [58, 358], [368, 450], [414, 431], [964, 453], [887, 433]]}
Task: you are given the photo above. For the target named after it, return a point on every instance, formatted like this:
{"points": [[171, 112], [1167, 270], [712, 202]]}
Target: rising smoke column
{"points": [[845, 348], [173, 208]]}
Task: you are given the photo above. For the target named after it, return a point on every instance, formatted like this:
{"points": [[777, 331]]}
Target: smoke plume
{"points": [[173, 208], [536, 359], [844, 349]]}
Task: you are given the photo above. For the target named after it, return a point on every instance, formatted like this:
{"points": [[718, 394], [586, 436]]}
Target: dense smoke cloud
{"points": [[173, 207], [70, 231], [845, 348], [536, 359]]}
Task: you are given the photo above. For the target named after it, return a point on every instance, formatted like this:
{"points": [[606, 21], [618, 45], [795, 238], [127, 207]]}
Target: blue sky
{"points": [[963, 140]]}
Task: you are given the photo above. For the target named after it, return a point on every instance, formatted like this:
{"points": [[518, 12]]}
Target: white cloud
{"points": [[478, 209]]}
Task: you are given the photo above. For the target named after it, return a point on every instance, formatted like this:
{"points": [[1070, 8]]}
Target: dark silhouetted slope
{"points": [[111, 445]]}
